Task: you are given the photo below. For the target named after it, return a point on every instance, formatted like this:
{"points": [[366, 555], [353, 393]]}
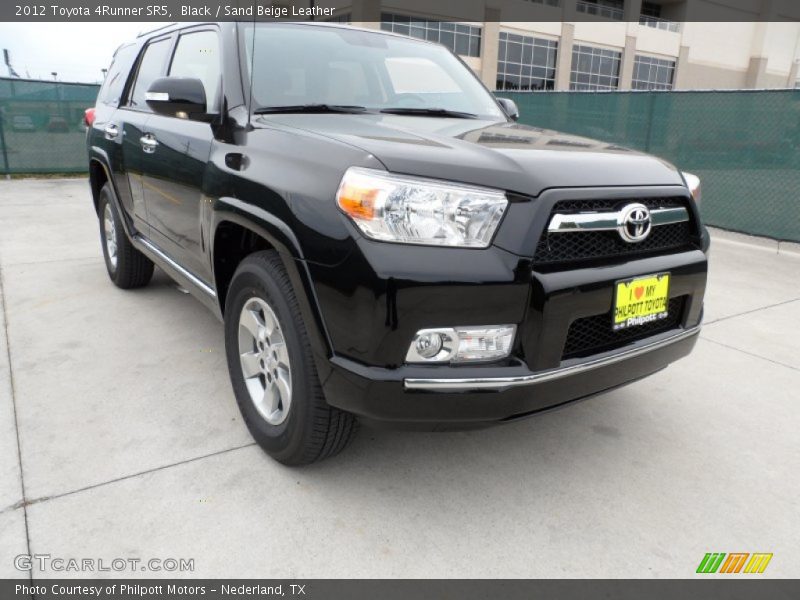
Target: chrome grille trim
{"points": [[609, 221]]}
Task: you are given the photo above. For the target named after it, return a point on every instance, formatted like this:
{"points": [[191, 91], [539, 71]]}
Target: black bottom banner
{"points": [[396, 589]]}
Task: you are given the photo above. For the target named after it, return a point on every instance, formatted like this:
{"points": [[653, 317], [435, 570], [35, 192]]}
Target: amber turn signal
{"points": [[357, 202]]}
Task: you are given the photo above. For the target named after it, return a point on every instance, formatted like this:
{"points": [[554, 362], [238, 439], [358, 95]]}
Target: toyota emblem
{"points": [[634, 223]]}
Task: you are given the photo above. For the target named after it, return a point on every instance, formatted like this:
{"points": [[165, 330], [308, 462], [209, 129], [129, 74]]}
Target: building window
{"points": [[651, 9], [341, 18], [546, 2], [608, 9], [653, 73], [651, 16], [594, 68], [461, 39], [526, 63]]}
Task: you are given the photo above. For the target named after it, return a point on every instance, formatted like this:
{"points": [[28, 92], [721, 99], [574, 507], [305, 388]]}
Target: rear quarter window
{"points": [[117, 75]]}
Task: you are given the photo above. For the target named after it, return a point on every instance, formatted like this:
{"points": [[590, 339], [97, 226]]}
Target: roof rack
{"points": [[148, 32]]}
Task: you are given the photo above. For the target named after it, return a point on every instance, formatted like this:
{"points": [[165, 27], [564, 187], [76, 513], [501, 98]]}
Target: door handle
{"points": [[149, 143], [111, 131]]}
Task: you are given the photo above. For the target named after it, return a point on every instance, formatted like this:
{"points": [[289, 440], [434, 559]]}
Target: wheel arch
{"points": [[239, 230], [98, 177]]}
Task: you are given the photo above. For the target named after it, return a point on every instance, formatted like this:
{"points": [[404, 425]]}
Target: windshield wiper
{"points": [[310, 108], [430, 112]]}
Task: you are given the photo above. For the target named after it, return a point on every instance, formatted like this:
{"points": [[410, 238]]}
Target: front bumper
{"points": [[499, 384], [374, 302], [406, 399], [371, 330]]}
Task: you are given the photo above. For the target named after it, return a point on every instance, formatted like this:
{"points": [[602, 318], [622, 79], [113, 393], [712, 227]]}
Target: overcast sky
{"points": [[76, 51]]}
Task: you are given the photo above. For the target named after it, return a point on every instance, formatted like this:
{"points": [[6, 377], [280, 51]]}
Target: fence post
{"points": [[7, 169]]}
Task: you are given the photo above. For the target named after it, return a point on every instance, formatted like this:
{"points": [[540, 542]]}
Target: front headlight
{"points": [[406, 210], [693, 183]]}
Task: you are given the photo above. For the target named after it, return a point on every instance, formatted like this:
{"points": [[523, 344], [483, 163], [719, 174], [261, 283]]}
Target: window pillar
{"points": [[564, 61], [490, 41], [794, 74], [628, 60], [681, 78], [366, 13], [632, 10], [568, 10]]}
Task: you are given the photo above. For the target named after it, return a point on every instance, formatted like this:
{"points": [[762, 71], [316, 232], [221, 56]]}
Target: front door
{"points": [[129, 126], [176, 152]]}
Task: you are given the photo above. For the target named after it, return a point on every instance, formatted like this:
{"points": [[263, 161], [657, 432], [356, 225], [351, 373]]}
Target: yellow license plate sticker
{"points": [[641, 300]]}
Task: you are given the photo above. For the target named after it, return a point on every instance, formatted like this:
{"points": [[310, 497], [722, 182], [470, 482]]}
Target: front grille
{"points": [[584, 245], [592, 335]]}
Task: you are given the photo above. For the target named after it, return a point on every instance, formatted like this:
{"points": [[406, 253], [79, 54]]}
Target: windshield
{"points": [[301, 65]]}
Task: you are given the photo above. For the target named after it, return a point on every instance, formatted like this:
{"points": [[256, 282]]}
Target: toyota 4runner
{"points": [[382, 240]]}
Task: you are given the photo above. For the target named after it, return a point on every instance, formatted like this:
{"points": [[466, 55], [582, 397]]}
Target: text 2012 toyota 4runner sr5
{"points": [[382, 241]]}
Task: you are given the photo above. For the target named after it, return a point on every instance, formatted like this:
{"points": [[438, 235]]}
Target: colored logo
{"points": [[735, 562]]}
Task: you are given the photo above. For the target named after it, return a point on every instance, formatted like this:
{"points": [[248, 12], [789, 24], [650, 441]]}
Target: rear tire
{"points": [[272, 369], [127, 267]]}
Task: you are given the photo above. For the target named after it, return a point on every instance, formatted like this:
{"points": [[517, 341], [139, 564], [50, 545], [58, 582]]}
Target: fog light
{"points": [[432, 345], [429, 345], [461, 344]]}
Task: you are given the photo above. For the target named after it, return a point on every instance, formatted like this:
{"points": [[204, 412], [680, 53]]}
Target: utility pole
{"points": [[7, 60], [6, 166]]}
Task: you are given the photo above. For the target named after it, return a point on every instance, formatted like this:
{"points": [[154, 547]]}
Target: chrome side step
{"points": [[152, 248]]}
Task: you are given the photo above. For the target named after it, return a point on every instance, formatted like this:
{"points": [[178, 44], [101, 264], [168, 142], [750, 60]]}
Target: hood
{"points": [[507, 156]]}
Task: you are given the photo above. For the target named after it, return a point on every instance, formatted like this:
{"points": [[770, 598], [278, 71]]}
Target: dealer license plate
{"points": [[640, 301]]}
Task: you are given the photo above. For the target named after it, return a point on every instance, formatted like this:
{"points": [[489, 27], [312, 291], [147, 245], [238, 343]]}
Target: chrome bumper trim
{"points": [[503, 383]]}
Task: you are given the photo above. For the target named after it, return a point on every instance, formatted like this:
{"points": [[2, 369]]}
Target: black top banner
{"points": [[371, 10]]}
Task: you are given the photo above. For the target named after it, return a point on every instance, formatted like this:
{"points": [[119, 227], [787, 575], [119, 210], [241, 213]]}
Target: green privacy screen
{"points": [[41, 126], [744, 145]]}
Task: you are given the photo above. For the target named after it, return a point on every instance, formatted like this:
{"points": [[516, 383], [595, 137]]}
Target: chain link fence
{"points": [[41, 126], [744, 145]]}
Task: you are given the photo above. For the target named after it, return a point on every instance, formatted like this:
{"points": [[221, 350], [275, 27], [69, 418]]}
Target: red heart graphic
{"points": [[638, 292]]}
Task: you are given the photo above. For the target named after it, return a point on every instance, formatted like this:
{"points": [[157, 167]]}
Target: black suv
{"points": [[382, 240]]}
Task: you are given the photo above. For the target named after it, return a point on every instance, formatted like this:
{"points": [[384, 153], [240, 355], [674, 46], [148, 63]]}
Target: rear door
{"points": [[106, 134], [177, 157], [133, 117]]}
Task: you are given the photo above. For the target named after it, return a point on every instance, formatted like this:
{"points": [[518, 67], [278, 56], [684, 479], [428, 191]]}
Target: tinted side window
{"points": [[150, 69], [117, 76], [197, 56]]}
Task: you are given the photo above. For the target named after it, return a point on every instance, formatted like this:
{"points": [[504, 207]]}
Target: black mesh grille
{"points": [[574, 246], [591, 335]]}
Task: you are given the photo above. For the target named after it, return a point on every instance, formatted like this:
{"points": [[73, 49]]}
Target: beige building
{"points": [[606, 44]]}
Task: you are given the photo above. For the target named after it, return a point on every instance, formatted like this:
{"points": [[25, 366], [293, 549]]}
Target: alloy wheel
{"points": [[110, 230], [264, 360]]}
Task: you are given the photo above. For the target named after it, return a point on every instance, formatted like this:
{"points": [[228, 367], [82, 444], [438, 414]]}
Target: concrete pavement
{"points": [[132, 445]]}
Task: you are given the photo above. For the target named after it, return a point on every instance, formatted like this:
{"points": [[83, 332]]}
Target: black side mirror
{"points": [[182, 97], [510, 108]]}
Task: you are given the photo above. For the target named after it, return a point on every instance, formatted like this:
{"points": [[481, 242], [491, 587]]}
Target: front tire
{"points": [[127, 267], [272, 369]]}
